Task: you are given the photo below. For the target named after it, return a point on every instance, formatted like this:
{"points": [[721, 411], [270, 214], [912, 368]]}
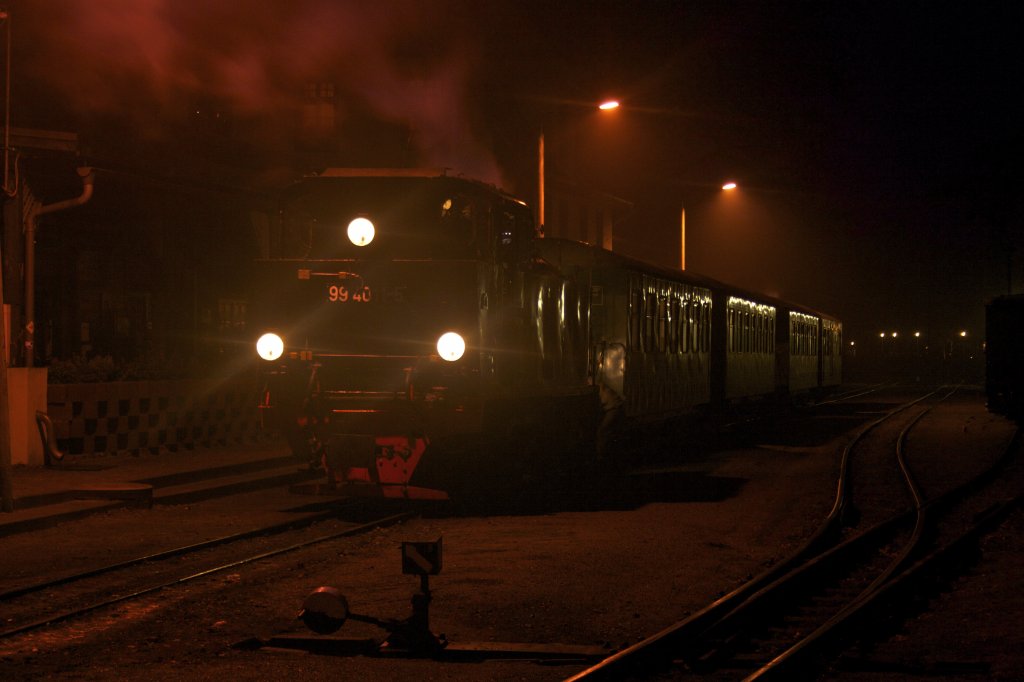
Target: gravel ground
{"points": [[606, 571]]}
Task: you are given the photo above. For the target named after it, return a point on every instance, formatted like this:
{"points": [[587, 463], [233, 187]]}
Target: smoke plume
{"points": [[405, 62]]}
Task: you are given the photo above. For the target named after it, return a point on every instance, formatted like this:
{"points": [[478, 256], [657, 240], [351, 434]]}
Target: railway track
{"points": [[872, 552], [73, 596]]}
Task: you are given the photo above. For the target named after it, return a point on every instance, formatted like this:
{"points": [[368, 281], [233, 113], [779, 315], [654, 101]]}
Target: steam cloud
{"points": [[406, 62]]}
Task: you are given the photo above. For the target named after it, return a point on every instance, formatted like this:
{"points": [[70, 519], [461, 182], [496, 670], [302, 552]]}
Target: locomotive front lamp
{"points": [[270, 347], [451, 346], [361, 231]]}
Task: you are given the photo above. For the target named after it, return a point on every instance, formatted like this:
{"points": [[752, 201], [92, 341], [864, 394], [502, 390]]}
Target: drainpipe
{"points": [[88, 178]]}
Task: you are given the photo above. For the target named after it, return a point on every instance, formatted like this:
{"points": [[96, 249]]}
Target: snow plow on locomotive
{"points": [[420, 337]]}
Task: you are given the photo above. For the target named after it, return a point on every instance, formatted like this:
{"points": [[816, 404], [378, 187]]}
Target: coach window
{"points": [[740, 341], [459, 216], [512, 235], [673, 323], [697, 320], [650, 312], [684, 326], [662, 338], [701, 326], [695, 325], [636, 312], [732, 330], [728, 329], [702, 318], [705, 327], [745, 331]]}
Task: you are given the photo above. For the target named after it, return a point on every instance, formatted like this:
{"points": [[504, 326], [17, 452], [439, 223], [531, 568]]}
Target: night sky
{"points": [[876, 144]]}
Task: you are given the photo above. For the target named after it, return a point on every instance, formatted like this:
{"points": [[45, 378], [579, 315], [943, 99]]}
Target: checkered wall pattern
{"points": [[147, 416]]}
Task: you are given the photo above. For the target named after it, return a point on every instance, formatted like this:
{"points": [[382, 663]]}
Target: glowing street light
{"points": [[604, 106], [727, 187]]}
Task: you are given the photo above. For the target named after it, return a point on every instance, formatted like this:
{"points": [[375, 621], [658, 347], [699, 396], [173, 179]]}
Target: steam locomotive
{"points": [[415, 328]]}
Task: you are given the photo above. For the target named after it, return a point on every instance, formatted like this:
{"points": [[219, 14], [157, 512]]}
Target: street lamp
{"points": [[726, 187], [608, 105], [6, 18]]}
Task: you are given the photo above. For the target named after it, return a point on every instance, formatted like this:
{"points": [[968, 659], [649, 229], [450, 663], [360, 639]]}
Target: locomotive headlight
{"points": [[451, 346], [361, 231], [270, 347]]}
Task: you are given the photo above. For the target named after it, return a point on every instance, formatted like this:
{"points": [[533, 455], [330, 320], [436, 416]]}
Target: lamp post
{"points": [[5, 16], [608, 105], [726, 187]]}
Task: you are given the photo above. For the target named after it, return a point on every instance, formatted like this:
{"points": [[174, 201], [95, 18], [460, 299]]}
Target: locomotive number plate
{"points": [[337, 293]]}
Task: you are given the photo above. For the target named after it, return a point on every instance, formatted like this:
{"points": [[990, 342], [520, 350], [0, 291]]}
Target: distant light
{"points": [[882, 335], [917, 335], [964, 333], [610, 104], [895, 334], [853, 343], [729, 185]]}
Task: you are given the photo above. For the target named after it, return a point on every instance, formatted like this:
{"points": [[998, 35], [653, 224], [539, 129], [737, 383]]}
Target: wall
{"points": [[26, 392], [133, 416]]}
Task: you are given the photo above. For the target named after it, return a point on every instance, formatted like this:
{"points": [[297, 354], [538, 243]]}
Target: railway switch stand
{"points": [[326, 609]]}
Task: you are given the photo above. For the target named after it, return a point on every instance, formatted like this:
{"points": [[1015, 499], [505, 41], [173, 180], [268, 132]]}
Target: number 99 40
{"points": [[342, 294]]}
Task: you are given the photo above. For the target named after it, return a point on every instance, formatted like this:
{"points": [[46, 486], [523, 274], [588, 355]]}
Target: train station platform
{"points": [[79, 486]]}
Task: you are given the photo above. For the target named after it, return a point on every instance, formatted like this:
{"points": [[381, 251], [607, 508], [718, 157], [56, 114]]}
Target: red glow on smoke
{"points": [[407, 62]]}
